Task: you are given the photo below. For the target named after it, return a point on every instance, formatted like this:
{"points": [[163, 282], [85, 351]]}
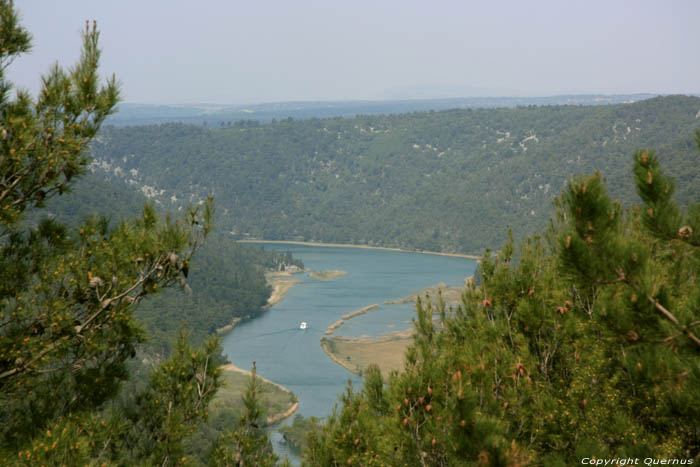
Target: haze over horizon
{"points": [[216, 52]]}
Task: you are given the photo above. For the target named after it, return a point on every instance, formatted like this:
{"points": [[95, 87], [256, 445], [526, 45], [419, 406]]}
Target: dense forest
{"points": [[442, 181]]}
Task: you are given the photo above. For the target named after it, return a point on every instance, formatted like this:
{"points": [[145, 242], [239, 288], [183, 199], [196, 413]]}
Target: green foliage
{"points": [[173, 404], [226, 281], [581, 343], [448, 181], [67, 311], [68, 295], [148, 431], [662, 216]]}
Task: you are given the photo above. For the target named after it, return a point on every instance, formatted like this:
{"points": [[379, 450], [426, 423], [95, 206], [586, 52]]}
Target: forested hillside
{"points": [[225, 281], [449, 181]]}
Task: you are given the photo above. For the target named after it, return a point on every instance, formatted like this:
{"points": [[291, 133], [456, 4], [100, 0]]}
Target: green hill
{"points": [[449, 181]]}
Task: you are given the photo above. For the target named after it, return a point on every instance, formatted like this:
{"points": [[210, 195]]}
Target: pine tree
{"points": [[67, 296]]}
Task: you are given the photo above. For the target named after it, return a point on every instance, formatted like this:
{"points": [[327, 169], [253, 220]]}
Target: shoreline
{"points": [[350, 245], [281, 282], [224, 329], [273, 418], [450, 294]]}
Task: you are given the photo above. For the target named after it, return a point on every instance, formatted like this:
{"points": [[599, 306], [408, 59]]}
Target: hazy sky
{"points": [[235, 52]]}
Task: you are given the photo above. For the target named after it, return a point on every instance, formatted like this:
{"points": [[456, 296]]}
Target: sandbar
{"points": [[450, 295], [281, 282], [334, 326], [386, 351]]}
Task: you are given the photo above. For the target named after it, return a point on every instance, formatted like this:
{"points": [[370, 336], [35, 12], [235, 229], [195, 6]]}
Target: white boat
{"points": [[302, 325]]}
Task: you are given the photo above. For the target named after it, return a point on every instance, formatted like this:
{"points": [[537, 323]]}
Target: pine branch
{"points": [[674, 320]]}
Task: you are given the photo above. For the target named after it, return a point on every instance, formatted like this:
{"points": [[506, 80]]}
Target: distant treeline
{"points": [[215, 116]]}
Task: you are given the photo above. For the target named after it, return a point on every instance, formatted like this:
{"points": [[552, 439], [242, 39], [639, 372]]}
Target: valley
{"points": [[421, 234]]}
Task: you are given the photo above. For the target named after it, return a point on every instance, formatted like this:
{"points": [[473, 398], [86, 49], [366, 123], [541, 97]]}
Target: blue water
{"points": [[292, 357]]}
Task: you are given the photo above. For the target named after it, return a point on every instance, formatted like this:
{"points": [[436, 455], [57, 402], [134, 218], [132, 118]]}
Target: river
{"points": [[293, 357]]}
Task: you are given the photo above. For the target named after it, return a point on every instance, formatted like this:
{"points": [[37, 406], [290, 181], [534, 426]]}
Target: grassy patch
{"points": [[357, 353]]}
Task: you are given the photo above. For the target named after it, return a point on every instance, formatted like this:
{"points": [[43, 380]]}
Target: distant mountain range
{"points": [[215, 115]]}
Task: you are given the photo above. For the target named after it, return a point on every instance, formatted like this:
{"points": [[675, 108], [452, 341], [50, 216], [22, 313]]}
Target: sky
{"points": [[255, 51]]}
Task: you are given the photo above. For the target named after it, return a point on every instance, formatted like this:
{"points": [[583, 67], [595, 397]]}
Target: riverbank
{"points": [[228, 327], [281, 282], [349, 245], [279, 402]]}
